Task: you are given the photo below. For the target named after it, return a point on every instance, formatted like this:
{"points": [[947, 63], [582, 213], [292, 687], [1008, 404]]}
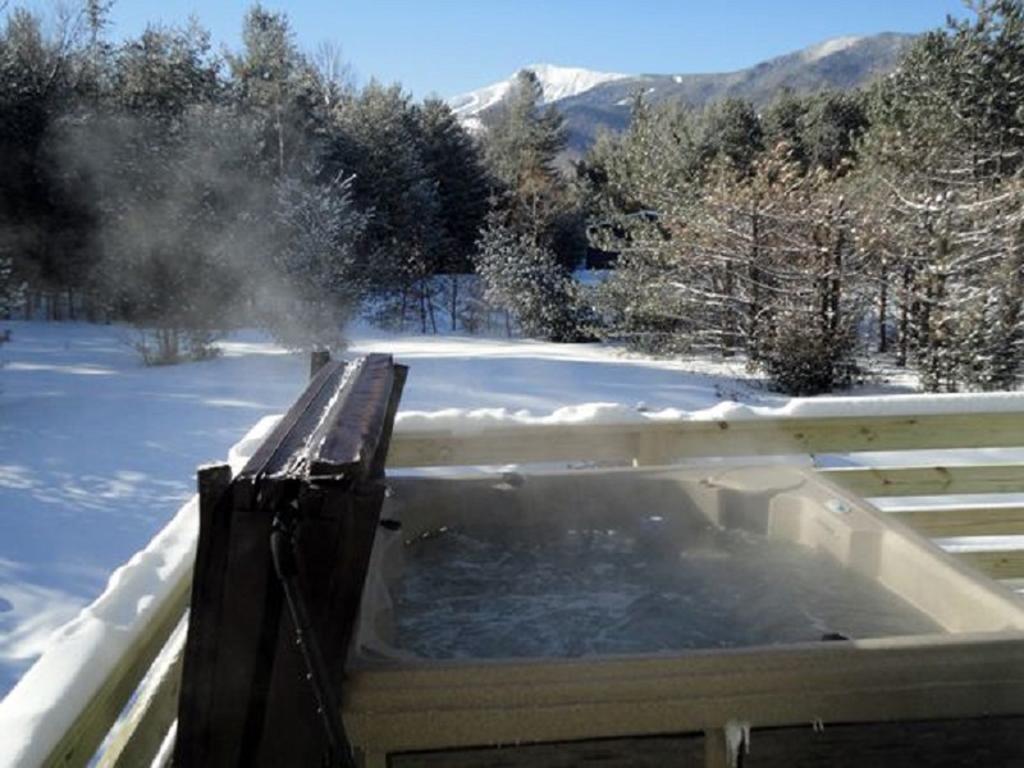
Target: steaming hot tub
{"points": [[584, 604]]}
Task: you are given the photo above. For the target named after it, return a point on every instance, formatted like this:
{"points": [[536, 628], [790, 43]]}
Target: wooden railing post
{"points": [[215, 511]]}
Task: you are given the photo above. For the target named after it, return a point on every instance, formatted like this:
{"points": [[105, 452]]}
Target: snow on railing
{"points": [[608, 432], [466, 421]]}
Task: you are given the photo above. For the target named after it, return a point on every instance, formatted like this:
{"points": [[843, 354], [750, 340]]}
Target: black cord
{"points": [[282, 548]]}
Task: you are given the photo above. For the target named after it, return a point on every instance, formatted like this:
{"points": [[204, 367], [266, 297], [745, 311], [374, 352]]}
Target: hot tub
{"points": [[582, 604]]}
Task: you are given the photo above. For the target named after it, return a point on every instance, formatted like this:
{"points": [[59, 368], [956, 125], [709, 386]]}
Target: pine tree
{"points": [[526, 280], [34, 85], [98, 140], [785, 122], [809, 343], [453, 159], [718, 257], [183, 221], [8, 290], [277, 86], [994, 325], [732, 133], [643, 186], [317, 261], [522, 146], [946, 144], [165, 71], [830, 128], [378, 139], [523, 140]]}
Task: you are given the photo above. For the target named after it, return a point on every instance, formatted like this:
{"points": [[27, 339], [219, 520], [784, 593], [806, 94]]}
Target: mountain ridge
{"points": [[592, 100]]}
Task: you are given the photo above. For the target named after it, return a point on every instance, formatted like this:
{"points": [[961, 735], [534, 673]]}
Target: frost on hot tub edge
{"points": [[790, 507]]}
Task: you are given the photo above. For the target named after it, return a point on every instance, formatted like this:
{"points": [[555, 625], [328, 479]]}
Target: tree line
{"points": [[828, 226], [160, 183]]}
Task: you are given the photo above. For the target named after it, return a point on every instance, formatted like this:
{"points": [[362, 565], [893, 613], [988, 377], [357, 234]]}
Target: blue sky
{"points": [[450, 46]]}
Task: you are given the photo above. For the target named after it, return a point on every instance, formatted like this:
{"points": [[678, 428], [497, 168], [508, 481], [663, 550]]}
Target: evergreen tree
{"points": [[317, 261], [453, 159], [821, 130], [522, 145], [655, 165], [276, 85], [92, 78], [760, 261], [526, 280], [946, 143], [166, 71], [523, 140], [8, 287], [378, 139], [34, 71], [784, 122], [179, 215], [994, 324], [642, 186], [831, 126], [732, 133]]}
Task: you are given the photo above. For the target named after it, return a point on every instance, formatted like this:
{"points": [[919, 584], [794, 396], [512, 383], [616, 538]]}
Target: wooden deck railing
{"points": [[135, 737]]}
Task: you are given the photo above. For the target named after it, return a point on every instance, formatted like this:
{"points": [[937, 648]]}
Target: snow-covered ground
{"points": [[82, 654], [98, 453], [98, 456]]}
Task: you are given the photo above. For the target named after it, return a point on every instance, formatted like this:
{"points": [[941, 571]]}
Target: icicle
{"points": [[737, 739]]}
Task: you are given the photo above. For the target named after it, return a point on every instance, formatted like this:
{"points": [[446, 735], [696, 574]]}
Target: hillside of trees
{"points": [[827, 227], [160, 183]]}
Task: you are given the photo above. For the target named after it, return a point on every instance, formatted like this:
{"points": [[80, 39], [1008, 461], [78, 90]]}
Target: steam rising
{"points": [[648, 586], [194, 236]]}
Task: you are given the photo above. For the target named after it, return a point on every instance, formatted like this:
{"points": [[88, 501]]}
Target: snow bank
{"points": [[466, 421], [82, 653], [877, 405]]}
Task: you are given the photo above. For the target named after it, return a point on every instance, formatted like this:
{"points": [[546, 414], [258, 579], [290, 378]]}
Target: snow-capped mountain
{"points": [[827, 48], [591, 100], [557, 82]]}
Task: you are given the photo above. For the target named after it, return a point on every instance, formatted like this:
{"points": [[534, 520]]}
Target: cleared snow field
{"points": [[96, 455]]}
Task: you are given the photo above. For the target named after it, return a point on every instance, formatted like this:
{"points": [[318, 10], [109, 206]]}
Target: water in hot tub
{"points": [[465, 594]]}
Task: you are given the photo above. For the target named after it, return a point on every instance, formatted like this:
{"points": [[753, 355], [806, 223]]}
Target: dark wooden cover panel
{"points": [[245, 697]]}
